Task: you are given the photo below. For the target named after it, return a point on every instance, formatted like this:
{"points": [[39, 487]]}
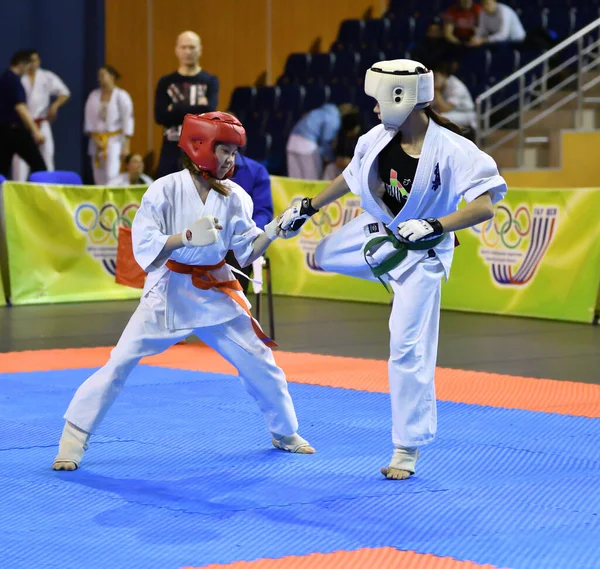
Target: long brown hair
{"points": [[215, 184], [444, 122]]}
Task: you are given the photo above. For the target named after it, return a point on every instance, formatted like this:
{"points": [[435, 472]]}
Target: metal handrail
{"points": [[533, 90], [544, 57]]}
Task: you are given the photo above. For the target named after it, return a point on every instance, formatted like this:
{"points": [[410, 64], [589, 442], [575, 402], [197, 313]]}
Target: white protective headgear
{"points": [[399, 86]]}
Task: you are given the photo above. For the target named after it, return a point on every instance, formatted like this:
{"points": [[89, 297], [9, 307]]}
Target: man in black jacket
{"points": [[189, 90], [19, 133]]}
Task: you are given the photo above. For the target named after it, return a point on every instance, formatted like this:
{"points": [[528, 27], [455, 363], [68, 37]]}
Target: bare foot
{"points": [[395, 473], [64, 465]]}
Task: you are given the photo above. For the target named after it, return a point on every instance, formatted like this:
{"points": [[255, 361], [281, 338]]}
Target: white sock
{"points": [[290, 443], [405, 458], [73, 443]]}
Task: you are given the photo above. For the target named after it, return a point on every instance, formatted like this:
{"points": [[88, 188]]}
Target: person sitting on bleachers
{"points": [[460, 22], [452, 98], [310, 144], [134, 176], [497, 23]]}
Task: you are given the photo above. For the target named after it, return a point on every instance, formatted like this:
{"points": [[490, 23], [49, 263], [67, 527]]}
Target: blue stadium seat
{"points": [[254, 122], [316, 96], [267, 98], [321, 68], [56, 177], [291, 99], [504, 62], [560, 23], [350, 35], [345, 67], [340, 93], [2, 178], [368, 58], [296, 69], [278, 123], [242, 100], [402, 30], [421, 23], [476, 62], [376, 33], [531, 16], [258, 147]]}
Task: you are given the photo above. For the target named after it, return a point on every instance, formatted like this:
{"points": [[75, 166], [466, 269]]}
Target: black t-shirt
{"points": [[397, 171], [11, 93], [183, 93]]}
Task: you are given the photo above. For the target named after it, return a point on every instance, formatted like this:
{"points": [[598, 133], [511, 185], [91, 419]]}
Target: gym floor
{"points": [[498, 344]]}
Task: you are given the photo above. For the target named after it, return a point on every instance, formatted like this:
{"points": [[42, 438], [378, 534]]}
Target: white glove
{"points": [[202, 232], [417, 229], [296, 216], [271, 229]]}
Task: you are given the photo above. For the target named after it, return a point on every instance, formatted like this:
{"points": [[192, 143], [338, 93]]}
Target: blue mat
{"points": [[182, 473]]}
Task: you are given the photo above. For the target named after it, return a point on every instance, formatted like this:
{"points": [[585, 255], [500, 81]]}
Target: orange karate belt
{"points": [[202, 279], [101, 140]]}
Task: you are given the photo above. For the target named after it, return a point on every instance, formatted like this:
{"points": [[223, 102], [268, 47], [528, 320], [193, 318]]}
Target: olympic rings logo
{"points": [[102, 224], [327, 220], [506, 228]]}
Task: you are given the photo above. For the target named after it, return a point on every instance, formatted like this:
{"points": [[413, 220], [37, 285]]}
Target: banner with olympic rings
{"points": [[539, 256], [62, 241]]}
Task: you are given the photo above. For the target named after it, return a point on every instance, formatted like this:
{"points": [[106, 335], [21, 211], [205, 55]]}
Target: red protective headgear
{"points": [[200, 134]]}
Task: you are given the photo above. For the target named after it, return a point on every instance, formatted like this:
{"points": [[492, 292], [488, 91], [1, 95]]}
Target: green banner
{"points": [[540, 256], [62, 241], [2, 293]]}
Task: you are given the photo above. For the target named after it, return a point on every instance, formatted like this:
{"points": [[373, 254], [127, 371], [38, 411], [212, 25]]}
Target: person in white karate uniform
{"points": [[411, 172], [41, 86], [109, 124], [181, 233]]}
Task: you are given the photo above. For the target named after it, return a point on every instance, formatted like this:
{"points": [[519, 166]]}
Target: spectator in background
{"points": [[310, 144], [497, 23], [40, 87], [134, 174], [460, 22], [348, 136], [254, 178], [452, 98], [19, 134], [189, 90], [109, 124]]}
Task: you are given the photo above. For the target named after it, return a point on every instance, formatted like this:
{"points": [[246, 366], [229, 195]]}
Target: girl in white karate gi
{"points": [[109, 124], [410, 172], [185, 225]]}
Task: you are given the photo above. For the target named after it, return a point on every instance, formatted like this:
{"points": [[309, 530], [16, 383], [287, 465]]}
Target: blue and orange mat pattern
{"points": [[182, 474]]}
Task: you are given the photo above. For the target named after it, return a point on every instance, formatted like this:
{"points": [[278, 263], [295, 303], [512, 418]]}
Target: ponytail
{"points": [[444, 122]]}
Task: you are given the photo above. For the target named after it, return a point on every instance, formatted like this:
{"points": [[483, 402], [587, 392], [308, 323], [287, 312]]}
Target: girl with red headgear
{"points": [[181, 233]]}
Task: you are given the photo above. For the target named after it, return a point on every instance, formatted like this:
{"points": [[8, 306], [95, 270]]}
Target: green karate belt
{"points": [[401, 251]]}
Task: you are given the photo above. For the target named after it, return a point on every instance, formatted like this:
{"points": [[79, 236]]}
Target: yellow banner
{"points": [[62, 241], [539, 256]]}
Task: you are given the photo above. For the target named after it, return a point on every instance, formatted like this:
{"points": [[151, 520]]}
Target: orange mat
{"points": [[460, 386], [381, 558]]}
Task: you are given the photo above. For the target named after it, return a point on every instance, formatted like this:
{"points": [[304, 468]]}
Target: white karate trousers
{"points": [[146, 335], [304, 160], [413, 324], [20, 169], [109, 168]]}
